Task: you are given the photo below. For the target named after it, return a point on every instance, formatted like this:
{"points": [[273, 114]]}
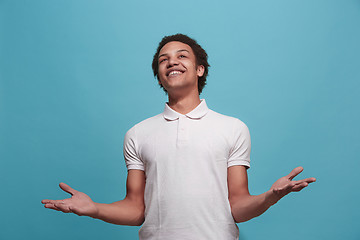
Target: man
{"points": [[187, 167]]}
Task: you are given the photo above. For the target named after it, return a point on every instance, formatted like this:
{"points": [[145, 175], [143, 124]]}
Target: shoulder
{"points": [[149, 123], [227, 121]]}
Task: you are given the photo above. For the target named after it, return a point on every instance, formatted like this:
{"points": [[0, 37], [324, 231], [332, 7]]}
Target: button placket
{"points": [[182, 129]]}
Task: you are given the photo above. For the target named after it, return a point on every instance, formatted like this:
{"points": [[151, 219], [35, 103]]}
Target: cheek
{"points": [[160, 77], [161, 70]]}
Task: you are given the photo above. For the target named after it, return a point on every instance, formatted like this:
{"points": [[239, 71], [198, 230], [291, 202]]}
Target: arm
{"points": [[245, 206], [129, 211]]}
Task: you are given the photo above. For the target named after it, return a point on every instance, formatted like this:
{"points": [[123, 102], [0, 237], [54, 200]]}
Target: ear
{"points": [[200, 70]]}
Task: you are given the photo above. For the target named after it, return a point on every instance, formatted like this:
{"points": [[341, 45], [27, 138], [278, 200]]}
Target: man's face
{"points": [[178, 71]]}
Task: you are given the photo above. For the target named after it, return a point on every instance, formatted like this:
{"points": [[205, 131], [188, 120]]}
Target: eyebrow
{"points": [[181, 50]]}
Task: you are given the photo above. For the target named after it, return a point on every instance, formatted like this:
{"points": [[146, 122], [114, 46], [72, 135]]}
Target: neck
{"points": [[184, 104]]}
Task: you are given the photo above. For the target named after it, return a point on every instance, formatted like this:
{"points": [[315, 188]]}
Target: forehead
{"points": [[174, 46]]}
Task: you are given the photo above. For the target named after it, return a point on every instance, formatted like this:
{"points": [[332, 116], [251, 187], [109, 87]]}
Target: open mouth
{"points": [[174, 72]]}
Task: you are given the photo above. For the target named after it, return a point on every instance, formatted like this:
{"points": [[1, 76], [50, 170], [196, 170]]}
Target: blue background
{"points": [[75, 75]]}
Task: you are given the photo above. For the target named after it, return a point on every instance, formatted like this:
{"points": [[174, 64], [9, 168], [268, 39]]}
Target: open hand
{"points": [[285, 185], [79, 203]]}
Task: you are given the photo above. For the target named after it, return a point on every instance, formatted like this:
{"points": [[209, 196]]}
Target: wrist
{"points": [[271, 197], [96, 209]]}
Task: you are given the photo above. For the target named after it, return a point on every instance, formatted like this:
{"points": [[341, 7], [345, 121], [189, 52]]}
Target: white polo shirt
{"points": [[185, 159]]}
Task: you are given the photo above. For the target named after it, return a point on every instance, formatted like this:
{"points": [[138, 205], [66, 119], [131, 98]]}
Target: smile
{"points": [[173, 73]]}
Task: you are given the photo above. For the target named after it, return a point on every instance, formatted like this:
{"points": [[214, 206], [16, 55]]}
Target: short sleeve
{"points": [[131, 155], [241, 145]]}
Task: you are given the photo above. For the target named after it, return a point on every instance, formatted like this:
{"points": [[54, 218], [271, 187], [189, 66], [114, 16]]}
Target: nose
{"points": [[173, 61]]}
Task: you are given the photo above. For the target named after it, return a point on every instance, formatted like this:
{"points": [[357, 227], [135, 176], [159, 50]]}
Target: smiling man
{"points": [[187, 167]]}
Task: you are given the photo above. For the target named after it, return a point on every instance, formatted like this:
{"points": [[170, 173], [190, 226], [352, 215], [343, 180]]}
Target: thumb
{"points": [[295, 172], [67, 188]]}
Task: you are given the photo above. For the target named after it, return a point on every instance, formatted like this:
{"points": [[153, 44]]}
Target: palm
{"points": [[79, 203], [281, 183]]}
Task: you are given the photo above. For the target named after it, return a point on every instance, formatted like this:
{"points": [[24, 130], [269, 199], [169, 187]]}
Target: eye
{"points": [[162, 60], [182, 56]]}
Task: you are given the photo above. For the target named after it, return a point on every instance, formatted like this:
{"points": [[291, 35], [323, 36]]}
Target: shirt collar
{"points": [[196, 113]]}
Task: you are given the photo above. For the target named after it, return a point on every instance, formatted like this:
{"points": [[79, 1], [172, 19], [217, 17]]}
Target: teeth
{"points": [[174, 72]]}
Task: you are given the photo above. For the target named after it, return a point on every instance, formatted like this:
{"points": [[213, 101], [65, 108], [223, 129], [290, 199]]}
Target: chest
{"points": [[186, 141]]}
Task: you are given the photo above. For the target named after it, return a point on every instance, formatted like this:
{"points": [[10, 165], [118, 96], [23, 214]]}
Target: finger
{"points": [[51, 206], [285, 190], [295, 172], [62, 207], [67, 188], [307, 180], [45, 201], [53, 201], [299, 187], [289, 188]]}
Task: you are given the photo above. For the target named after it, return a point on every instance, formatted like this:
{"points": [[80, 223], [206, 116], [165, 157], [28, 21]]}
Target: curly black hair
{"points": [[200, 54]]}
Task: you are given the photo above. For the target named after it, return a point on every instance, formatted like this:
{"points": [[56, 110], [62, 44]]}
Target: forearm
{"points": [[246, 207], [124, 212]]}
